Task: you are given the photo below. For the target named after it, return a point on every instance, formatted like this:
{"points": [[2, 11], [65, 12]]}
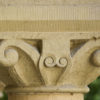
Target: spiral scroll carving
{"points": [[11, 57], [6, 54], [85, 65], [50, 70]]}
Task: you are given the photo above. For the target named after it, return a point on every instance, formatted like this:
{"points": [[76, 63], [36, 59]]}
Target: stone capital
{"points": [[49, 46], [54, 62]]}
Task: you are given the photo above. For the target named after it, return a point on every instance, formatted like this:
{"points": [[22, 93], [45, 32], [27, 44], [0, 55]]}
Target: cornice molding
{"points": [[48, 2], [45, 12]]}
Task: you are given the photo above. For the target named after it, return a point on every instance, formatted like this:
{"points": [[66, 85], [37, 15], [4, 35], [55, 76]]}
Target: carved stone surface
{"points": [[47, 2], [53, 62], [48, 96], [49, 48]]}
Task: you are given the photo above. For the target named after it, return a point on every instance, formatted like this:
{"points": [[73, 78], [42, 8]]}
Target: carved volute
{"points": [[49, 47]]}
